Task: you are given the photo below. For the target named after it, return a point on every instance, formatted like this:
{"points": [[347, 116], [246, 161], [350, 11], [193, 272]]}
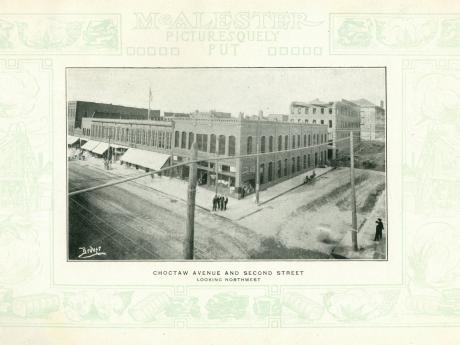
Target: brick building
{"points": [[76, 110], [289, 148], [340, 117], [372, 120]]}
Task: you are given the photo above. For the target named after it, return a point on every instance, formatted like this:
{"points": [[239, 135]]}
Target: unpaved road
{"points": [[315, 217], [133, 222]]}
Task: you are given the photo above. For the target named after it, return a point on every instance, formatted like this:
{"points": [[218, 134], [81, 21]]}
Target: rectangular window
{"points": [[322, 110], [330, 123], [199, 141], [261, 174], [205, 142]]}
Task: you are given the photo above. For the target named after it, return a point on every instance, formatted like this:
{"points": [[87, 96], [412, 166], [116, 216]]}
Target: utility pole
{"points": [[172, 143], [216, 167], [257, 162], [354, 232], [191, 193], [109, 153], [216, 163]]}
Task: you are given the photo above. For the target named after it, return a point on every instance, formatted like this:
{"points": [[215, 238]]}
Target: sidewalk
{"points": [[174, 187], [368, 248]]}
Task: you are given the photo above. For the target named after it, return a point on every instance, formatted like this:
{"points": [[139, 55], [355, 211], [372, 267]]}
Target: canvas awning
{"points": [[90, 145], [100, 149], [116, 146], [146, 159], [71, 139]]}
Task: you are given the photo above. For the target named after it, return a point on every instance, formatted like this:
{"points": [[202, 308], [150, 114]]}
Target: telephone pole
{"points": [[354, 232], [257, 162], [191, 193]]}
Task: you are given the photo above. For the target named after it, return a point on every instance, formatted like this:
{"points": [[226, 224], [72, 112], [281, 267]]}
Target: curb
{"points": [[291, 189]]}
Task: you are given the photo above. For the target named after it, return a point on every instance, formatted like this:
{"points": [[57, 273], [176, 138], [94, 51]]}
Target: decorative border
{"points": [[60, 34], [394, 34]]}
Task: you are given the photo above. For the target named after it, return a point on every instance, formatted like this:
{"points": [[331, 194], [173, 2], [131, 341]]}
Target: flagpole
{"points": [[150, 98]]}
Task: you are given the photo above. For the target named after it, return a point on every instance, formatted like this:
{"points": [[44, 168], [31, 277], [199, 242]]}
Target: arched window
{"points": [[309, 139], [293, 141], [306, 121], [298, 140], [183, 142], [231, 145], [249, 146], [191, 138], [262, 144], [280, 143], [298, 163], [286, 142], [304, 140], [270, 144], [293, 165], [221, 144], [176, 139]]}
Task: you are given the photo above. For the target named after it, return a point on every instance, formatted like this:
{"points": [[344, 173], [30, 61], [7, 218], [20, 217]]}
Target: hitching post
{"points": [[354, 232], [192, 180]]}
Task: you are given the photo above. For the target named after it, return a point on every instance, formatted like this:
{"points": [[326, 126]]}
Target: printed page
{"points": [[203, 172]]}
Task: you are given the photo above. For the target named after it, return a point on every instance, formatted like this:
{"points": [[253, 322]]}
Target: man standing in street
{"points": [[221, 202], [378, 230], [214, 203], [225, 203]]}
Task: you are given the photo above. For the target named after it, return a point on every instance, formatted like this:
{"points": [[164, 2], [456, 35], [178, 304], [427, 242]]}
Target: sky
{"points": [[231, 90]]}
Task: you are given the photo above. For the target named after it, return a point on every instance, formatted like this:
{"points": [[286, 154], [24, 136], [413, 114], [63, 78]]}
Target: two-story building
{"points": [[287, 148]]}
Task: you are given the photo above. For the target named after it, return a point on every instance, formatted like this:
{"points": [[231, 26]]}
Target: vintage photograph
{"points": [[226, 163]]}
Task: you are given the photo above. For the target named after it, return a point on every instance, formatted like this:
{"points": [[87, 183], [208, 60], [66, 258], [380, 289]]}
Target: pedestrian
{"points": [[214, 203], [378, 230], [243, 192], [221, 202], [225, 203]]}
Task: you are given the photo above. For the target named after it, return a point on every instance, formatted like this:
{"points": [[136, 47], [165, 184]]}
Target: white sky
{"points": [[228, 89]]}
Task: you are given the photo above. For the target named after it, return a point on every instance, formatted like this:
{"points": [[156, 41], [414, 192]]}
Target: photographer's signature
{"points": [[91, 251]]}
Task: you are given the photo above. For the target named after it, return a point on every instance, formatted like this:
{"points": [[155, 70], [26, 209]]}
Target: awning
{"points": [[90, 145], [101, 148], [71, 139], [146, 159], [119, 146]]}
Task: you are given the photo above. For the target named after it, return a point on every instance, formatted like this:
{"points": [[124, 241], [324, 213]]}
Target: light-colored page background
{"points": [[414, 297]]}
